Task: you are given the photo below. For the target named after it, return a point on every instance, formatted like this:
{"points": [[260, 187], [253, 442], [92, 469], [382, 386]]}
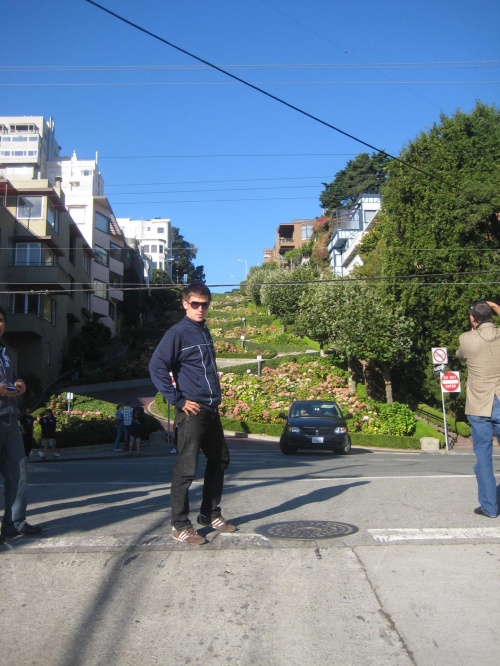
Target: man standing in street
{"points": [[12, 458], [480, 350], [183, 369]]}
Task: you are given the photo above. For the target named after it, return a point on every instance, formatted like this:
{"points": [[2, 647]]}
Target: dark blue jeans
{"points": [[483, 428], [14, 472], [203, 431]]}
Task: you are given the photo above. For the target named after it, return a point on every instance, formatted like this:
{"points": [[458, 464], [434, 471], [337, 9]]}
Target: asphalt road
{"points": [[408, 575]]}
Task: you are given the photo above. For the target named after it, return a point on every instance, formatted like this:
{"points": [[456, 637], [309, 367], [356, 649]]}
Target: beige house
{"points": [[289, 235], [44, 276]]}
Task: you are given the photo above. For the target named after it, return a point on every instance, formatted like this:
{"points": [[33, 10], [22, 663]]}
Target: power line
{"points": [[230, 155], [275, 98], [230, 180], [253, 84], [453, 64]]}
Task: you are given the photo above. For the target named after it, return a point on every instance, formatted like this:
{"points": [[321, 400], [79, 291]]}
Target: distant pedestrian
{"points": [[480, 350], [48, 423], [26, 423], [187, 353], [118, 421], [137, 430], [128, 415]]}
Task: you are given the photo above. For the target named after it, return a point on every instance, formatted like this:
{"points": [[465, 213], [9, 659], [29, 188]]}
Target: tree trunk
{"points": [[386, 373], [371, 387], [352, 376], [321, 349]]}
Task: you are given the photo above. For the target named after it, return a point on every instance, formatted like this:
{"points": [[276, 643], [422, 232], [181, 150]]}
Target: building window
{"points": [[101, 255], [154, 249], [86, 300], [86, 263], [48, 309], [29, 208], [28, 254], [160, 230], [24, 304], [102, 222], [307, 230], [160, 249], [53, 217], [145, 249], [112, 311], [87, 172], [48, 350], [100, 289], [72, 249]]}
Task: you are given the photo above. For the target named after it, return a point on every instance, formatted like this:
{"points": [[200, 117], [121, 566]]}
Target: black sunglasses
{"points": [[198, 304]]}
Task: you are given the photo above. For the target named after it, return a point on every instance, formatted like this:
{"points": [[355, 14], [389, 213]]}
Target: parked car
{"points": [[315, 424]]}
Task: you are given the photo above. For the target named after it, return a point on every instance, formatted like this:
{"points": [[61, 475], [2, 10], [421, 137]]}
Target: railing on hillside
{"points": [[69, 377]]}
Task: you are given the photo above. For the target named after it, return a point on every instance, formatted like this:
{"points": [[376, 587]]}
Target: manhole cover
{"points": [[307, 529]]}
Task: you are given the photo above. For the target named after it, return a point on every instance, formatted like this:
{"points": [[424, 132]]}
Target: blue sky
{"points": [[225, 163]]}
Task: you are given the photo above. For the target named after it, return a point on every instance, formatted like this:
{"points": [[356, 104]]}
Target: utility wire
{"points": [[275, 98]]}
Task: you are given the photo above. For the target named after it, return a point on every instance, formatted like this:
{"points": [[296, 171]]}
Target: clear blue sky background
{"points": [[225, 163]]}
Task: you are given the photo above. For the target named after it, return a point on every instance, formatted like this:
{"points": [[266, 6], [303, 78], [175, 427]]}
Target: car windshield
{"points": [[315, 409]]}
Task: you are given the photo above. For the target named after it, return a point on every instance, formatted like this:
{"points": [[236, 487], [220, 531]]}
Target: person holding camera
{"points": [[12, 458], [480, 350]]}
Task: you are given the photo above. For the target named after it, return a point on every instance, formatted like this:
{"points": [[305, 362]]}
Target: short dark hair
{"points": [[481, 311], [196, 288]]}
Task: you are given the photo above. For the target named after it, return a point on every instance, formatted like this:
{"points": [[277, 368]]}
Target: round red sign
{"points": [[450, 382]]}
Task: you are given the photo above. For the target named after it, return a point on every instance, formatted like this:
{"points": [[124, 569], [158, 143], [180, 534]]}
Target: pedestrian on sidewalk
{"points": [[184, 370], [137, 430], [48, 423], [118, 421], [12, 458], [26, 423], [480, 350], [128, 415]]}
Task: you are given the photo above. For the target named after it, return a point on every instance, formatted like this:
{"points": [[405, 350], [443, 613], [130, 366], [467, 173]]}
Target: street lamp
{"points": [[246, 271]]}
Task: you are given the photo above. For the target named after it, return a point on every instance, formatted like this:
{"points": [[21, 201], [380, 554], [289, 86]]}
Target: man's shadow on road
{"points": [[320, 495]]}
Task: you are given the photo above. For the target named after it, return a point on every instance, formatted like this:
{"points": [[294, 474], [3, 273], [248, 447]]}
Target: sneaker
{"points": [[26, 530], [218, 523], [57, 455], [173, 451], [188, 536], [41, 454]]}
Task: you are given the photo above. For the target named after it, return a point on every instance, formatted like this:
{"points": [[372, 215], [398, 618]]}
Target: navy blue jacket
{"points": [[187, 351], [8, 406]]}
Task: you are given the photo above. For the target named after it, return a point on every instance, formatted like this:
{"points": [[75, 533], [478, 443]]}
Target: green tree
{"points": [[183, 254], [282, 299], [256, 276], [361, 323], [443, 232], [364, 173], [164, 297]]}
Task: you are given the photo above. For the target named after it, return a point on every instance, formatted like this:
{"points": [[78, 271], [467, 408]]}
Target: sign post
{"points": [[69, 398], [450, 383]]}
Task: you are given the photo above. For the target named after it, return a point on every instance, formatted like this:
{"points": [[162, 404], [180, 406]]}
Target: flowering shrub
{"points": [[261, 399]]}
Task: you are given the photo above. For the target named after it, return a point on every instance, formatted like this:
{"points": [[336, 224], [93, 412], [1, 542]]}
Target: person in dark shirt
{"points": [[26, 423], [183, 369], [12, 459], [48, 424]]}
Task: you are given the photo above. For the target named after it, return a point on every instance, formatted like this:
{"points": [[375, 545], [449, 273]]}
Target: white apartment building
{"points": [[29, 151], [154, 238], [83, 187], [26, 143], [349, 225]]}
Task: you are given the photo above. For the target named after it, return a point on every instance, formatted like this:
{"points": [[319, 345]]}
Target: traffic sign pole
{"points": [[445, 423]]}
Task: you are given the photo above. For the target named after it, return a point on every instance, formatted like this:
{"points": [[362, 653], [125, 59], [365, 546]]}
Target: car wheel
{"points": [[346, 446], [285, 447]]}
